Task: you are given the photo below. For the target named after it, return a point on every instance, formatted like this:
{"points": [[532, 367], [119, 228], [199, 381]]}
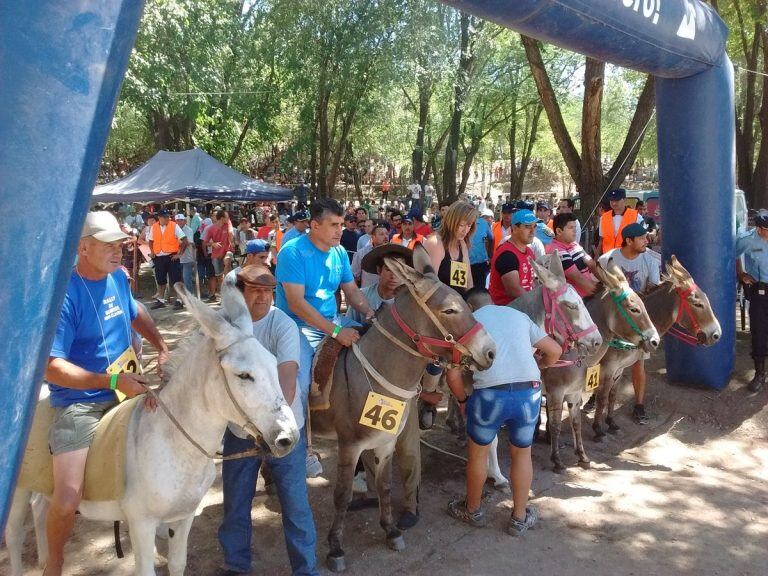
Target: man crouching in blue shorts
{"points": [[509, 392]]}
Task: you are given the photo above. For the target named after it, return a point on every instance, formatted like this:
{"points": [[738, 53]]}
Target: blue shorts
{"points": [[488, 409]]}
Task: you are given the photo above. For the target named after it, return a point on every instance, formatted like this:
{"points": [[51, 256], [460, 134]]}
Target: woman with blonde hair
{"points": [[448, 248]]}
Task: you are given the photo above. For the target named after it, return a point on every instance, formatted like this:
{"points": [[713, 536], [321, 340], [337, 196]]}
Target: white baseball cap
{"points": [[180, 216], [487, 213], [103, 226]]}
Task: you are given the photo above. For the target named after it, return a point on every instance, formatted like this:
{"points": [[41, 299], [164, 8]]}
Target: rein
{"points": [[249, 426], [556, 323], [685, 309], [618, 343]]}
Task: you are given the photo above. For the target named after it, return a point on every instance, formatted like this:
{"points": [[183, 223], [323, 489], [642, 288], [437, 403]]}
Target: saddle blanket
{"points": [[105, 467]]}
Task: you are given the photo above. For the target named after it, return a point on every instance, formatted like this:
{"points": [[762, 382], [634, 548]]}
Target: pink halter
{"points": [[556, 323]]}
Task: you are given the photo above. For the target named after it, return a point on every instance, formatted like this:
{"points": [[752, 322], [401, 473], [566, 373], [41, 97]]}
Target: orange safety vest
{"points": [[498, 235], [278, 241], [551, 224], [417, 239], [165, 241], [611, 240]]}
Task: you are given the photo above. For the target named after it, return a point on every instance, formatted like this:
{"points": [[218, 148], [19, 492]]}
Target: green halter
{"points": [[618, 343]]}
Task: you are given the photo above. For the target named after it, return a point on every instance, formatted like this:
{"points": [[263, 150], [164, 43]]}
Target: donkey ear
{"points": [[233, 305], [556, 265], [550, 281], [403, 272], [678, 272], [609, 280], [421, 261], [213, 324]]}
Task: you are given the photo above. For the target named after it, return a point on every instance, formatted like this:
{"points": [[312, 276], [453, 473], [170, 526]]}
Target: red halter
{"points": [[557, 323], [423, 343], [685, 309]]}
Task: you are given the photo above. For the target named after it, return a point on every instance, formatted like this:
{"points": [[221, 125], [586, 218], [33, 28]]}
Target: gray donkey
{"points": [[677, 300], [427, 322], [620, 316]]}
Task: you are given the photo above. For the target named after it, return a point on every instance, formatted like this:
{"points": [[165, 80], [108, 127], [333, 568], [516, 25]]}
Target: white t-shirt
{"points": [[415, 191], [179, 233], [643, 270], [514, 360], [280, 336], [189, 254], [366, 278], [538, 248]]}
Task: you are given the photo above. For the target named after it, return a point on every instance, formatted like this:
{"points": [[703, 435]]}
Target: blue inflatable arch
{"points": [[62, 65]]}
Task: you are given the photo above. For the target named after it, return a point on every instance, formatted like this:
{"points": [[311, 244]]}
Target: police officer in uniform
{"points": [[754, 275]]}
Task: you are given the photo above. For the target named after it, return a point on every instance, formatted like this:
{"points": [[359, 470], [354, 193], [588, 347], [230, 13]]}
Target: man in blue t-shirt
{"points": [[481, 251], [91, 357], [309, 271]]}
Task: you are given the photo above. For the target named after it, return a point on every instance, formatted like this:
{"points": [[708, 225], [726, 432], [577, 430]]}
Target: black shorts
{"points": [[167, 269]]}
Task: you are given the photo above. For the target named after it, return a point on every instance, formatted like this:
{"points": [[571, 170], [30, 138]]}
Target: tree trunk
{"points": [[172, 133], [529, 138], [760, 174], [590, 183], [240, 140], [452, 147], [417, 158]]}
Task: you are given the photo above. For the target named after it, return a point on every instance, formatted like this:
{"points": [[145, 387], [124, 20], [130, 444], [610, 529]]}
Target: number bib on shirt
{"points": [[593, 377], [459, 273], [382, 413], [126, 362]]}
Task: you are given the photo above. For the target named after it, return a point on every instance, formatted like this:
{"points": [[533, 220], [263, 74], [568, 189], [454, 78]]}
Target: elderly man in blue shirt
{"points": [[754, 275]]}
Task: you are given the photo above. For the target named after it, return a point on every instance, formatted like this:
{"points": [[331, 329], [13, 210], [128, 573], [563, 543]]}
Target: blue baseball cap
{"points": [[617, 194], [524, 216], [255, 246]]}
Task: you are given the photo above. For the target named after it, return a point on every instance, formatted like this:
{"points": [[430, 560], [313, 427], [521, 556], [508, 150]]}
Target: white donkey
{"points": [[219, 375]]}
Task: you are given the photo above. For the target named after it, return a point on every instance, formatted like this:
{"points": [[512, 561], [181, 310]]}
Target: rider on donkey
{"points": [[309, 272], [91, 357], [280, 336]]}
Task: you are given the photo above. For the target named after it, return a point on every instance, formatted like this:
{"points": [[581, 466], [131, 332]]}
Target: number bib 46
{"points": [[382, 413], [459, 274], [593, 377]]}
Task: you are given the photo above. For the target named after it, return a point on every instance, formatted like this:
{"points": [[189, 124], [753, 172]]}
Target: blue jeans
{"points": [[239, 482], [310, 339], [188, 273], [488, 409]]}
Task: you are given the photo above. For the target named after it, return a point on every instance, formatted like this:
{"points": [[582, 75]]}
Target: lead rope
{"points": [[618, 343], [215, 455]]}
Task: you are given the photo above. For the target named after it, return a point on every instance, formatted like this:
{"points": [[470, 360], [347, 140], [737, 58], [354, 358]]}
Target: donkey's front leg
{"points": [[383, 459], [575, 412], [555, 423], [613, 428], [500, 481], [342, 494], [177, 546], [142, 533], [601, 402]]}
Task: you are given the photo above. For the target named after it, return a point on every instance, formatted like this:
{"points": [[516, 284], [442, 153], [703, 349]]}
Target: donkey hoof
{"points": [[599, 437], [397, 543], [613, 429], [336, 563], [585, 464], [558, 468], [502, 487]]}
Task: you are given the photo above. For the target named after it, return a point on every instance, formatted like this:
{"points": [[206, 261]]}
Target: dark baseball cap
{"points": [[523, 205], [300, 216], [507, 208], [633, 231], [617, 194], [543, 206], [350, 218], [163, 213]]}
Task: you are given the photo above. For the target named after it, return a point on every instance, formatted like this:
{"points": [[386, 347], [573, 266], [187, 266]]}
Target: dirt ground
{"points": [[686, 494]]}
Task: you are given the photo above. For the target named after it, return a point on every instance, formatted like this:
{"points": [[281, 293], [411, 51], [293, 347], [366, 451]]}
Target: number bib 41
{"points": [[459, 274], [593, 377], [382, 413]]}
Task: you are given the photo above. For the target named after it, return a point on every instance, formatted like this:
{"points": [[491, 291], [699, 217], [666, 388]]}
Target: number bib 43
{"points": [[382, 413], [126, 362], [593, 377], [459, 274]]}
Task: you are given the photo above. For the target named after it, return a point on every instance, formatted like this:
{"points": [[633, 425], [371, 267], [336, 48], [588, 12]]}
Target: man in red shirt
{"points": [[511, 270], [218, 237]]}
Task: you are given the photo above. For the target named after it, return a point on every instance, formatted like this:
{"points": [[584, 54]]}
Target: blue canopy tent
{"points": [[187, 174], [67, 59]]}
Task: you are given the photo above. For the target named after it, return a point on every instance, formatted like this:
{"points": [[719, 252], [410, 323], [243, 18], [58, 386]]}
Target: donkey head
{"points": [[435, 310], [247, 391], [697, 316], [624, 311], [571, 319]]}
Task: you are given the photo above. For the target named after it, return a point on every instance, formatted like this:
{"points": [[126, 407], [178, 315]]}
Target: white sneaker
{"points": [[359, 485], [314, 467]]}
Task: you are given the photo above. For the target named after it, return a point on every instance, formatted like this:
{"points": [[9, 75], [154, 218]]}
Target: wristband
{"points": [[463, 401], [113, 382], [336, 331]]}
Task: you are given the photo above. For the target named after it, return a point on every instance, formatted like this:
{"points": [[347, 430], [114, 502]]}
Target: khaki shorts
{"points": [[74, 426]]}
